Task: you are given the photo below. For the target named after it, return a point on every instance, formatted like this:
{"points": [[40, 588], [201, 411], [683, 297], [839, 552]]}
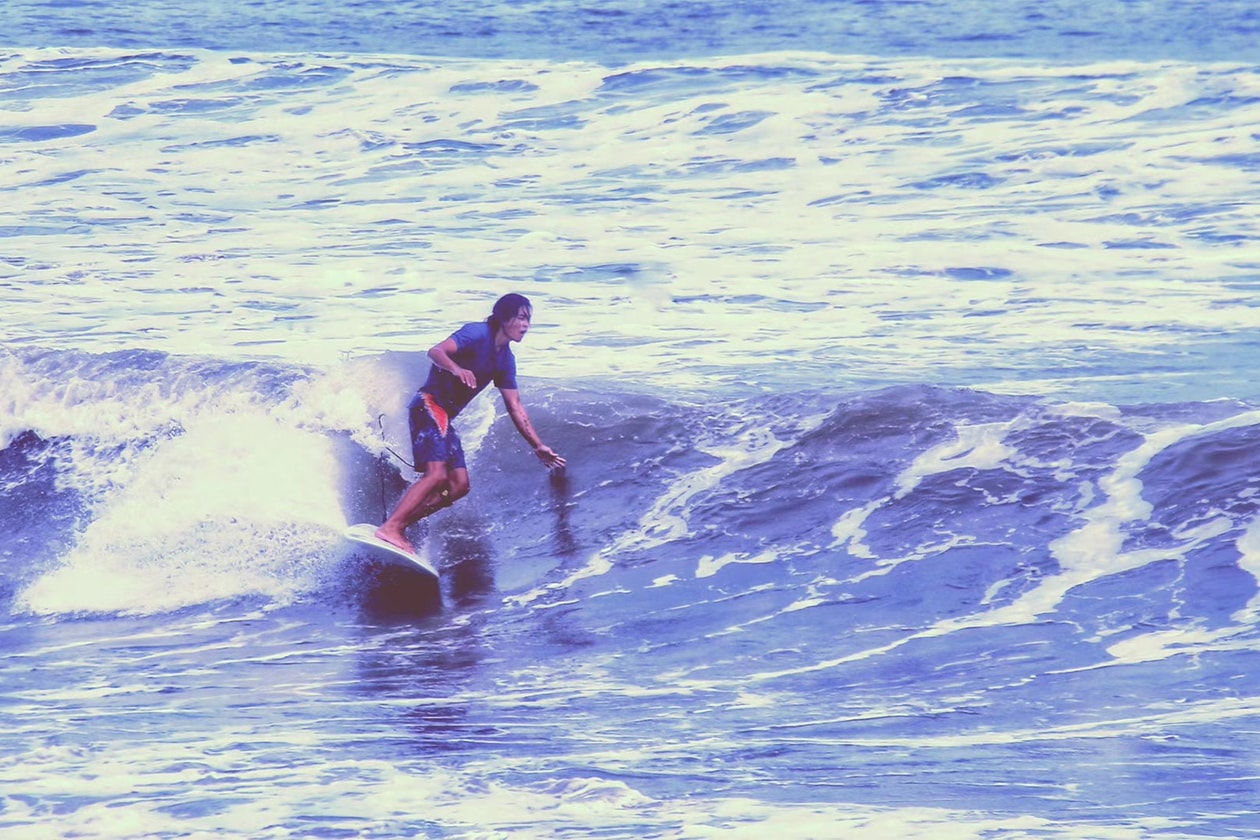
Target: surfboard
{"points": [[365, 535]]}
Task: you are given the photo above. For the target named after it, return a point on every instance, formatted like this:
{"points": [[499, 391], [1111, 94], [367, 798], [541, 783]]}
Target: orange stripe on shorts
{"points": [[437, 413]]}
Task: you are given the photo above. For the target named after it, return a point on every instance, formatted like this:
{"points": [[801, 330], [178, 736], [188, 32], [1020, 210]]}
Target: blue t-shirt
{"points": [[476, 352]]}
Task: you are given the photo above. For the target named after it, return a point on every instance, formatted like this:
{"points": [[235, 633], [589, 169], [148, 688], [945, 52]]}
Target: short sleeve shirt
{"points": [[475, 351]]}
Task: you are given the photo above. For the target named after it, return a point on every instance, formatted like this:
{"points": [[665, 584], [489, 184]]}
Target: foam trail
{"points": [[238, 505], [1095, 549], [977, 446], [1249, 549]]}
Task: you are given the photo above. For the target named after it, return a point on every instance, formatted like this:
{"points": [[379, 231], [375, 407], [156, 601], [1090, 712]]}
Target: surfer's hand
{"points": [[550, 459], [466, 376]]}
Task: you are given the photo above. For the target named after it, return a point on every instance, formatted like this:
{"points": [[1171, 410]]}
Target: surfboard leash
{"points": [[380, 424], [381, 460]]}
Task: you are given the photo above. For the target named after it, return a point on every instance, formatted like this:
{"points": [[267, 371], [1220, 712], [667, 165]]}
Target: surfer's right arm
{"points": [[440, 354]]}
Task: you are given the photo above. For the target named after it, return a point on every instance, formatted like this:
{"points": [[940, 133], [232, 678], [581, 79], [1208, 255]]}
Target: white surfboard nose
{"points": [[365, 534]]}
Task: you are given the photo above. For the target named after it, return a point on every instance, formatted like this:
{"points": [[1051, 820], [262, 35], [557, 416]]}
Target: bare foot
{"points": [[395, 539]]}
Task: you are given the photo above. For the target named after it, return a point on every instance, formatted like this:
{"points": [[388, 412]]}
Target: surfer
{"points": [[463, 365]]}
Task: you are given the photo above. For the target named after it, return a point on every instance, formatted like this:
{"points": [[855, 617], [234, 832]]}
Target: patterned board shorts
{"points": [[432, 438]]}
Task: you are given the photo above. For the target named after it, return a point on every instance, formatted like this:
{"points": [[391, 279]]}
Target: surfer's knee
{"points": [[457, 486], [435, 473]]}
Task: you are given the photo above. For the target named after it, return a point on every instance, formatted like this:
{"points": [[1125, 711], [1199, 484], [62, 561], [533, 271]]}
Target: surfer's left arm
{"points": [[516, 410]]}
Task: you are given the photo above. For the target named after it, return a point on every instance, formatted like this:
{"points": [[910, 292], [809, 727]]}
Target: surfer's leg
{"points": [[439, 496], [444, 495], [416, 503], [457, 484], [438, 448]]}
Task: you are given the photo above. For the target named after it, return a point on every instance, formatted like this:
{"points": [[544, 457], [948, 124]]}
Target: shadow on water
{"points": [[429, 648], [429, 643], [566, 545], [391, 594], [467, 562]]}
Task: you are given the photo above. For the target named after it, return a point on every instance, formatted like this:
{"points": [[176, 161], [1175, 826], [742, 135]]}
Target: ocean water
{"points": [[902, 354]]}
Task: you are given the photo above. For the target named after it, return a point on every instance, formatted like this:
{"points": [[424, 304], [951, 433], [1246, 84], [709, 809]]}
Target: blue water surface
{"points": [[627, 30]]}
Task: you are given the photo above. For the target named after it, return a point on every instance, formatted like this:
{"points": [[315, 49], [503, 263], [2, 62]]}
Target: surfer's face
{"points": [[516, 327]]}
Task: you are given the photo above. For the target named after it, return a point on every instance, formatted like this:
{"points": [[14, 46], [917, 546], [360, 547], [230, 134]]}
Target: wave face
{"points": [[765, 601]]}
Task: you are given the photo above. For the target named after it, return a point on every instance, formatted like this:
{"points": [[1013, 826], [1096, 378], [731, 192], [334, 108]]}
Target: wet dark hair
{"points": [[506, 308]]}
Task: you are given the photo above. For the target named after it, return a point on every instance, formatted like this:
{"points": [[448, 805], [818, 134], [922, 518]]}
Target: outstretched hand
{"points": [[550, 459]]}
